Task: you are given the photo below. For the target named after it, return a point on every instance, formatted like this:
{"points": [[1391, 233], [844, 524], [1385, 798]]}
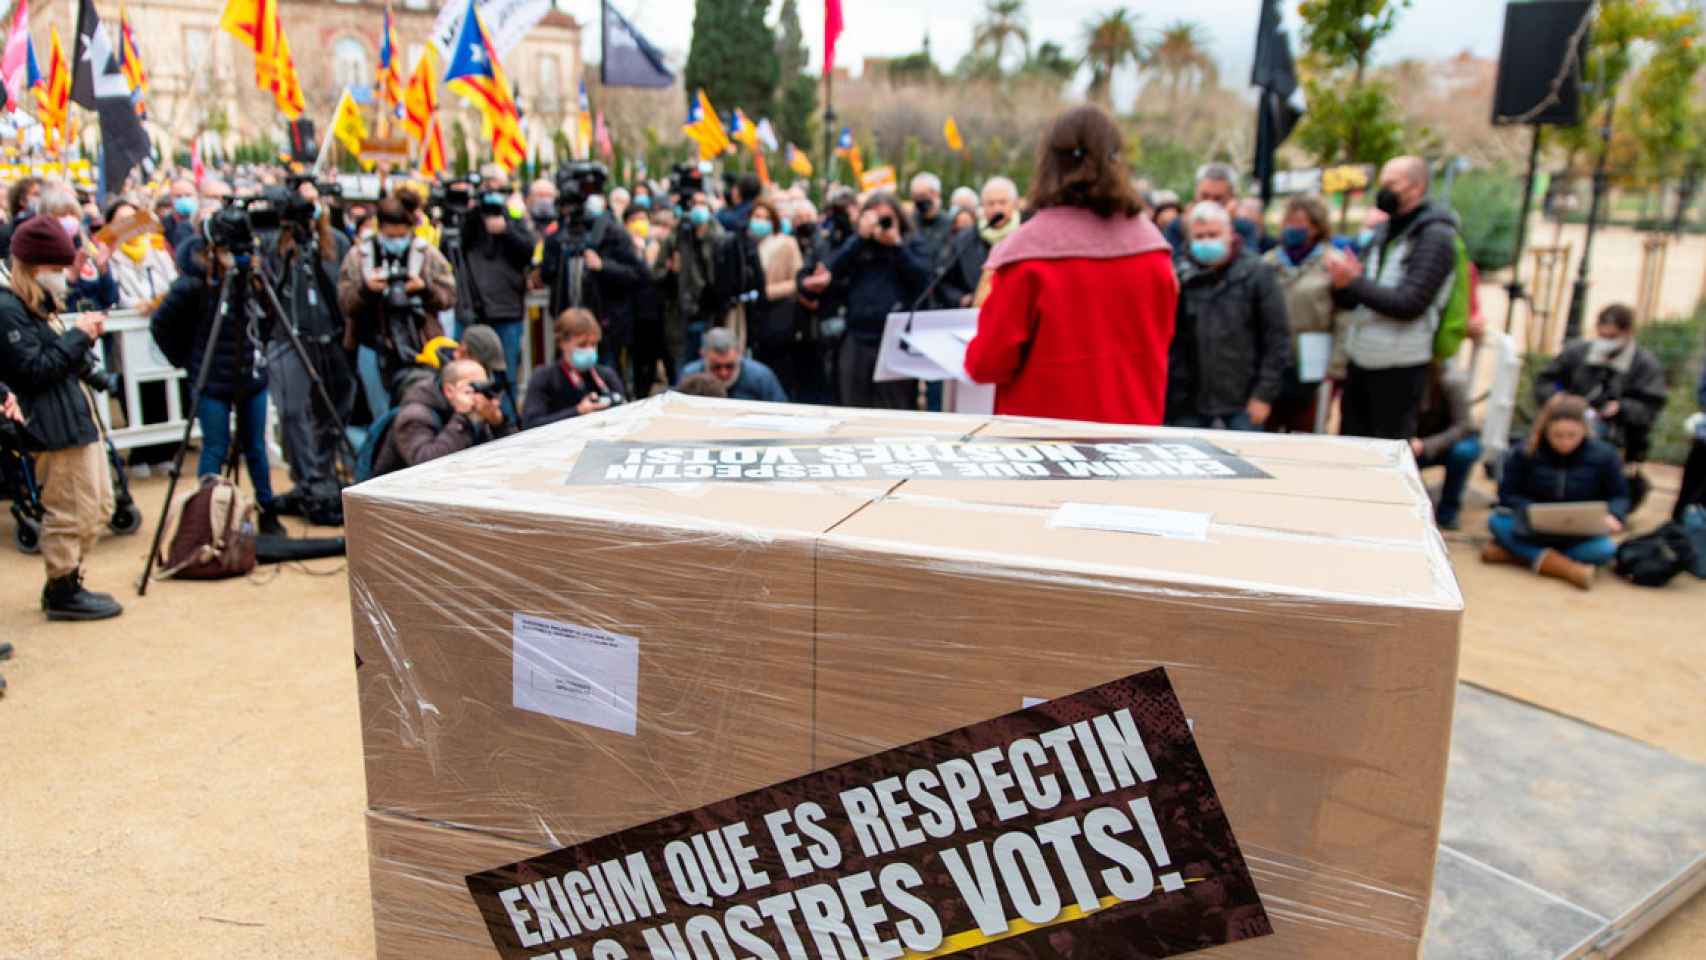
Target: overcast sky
{"points": [[1430, 29]]}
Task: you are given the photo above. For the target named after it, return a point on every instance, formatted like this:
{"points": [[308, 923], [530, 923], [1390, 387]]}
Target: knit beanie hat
{"points": [[40, 240]]}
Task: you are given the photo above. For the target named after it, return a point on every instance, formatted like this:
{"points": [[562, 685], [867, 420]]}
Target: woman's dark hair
{"points": [[20, 192], [393, 213], [1562, 406], [886, 199], [1312, 208], [775, 219], [1079, 164], [1617, 315], [112, 208]]}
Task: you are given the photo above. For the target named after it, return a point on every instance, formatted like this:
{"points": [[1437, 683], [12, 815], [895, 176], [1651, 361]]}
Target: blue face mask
{"points": [[395, 246], [584, 358], [1294, 238], [1208, 252], [1366, 237], [643, 201], [759, 228], [700, 216], [787, 228], [184, 206]]}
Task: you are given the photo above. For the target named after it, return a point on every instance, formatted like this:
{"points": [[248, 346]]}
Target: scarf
{"points": [[136, 247], [1061, 233], [994, 235]]}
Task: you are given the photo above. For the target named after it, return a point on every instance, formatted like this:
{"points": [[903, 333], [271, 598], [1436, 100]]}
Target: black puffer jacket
{"points": [[1232, 341], [1593, 472], [183, 323], [41, 367]]}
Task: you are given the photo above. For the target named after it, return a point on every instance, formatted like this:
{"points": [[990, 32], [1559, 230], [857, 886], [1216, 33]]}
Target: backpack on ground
{"points": [[1655, 559], [373, 444], [1694, 526], [1454, 319], [210, 532]]}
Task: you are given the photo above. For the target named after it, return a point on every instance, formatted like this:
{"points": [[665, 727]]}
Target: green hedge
{"points": [[1678, 344], [1489, 205]]}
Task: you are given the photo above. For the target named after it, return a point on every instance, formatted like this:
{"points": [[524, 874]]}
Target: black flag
{"points": [[627, 58], [97, 84], [1276, 75]]}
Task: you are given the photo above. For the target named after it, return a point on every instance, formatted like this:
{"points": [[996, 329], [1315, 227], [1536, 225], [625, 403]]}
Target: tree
{"points": [[1110, 42], [796, 98], [1049, 65], [1181, 55], [733, 54], [1351, 118], [1003, 23]]}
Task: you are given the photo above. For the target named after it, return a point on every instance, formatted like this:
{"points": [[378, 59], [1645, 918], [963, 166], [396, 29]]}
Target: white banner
{"points": [[507, 21]]}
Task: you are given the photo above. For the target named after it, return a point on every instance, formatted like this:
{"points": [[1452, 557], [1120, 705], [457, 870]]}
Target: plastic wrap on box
{"points": [[741, 633]]}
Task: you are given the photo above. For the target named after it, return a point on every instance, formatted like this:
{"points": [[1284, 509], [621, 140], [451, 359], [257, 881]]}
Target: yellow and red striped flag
{"points": [[475, 73], [420, 99], [53, 97], [390, 69], [131, 63]]}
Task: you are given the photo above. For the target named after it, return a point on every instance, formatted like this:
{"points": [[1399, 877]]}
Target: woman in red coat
{"points": [[1080, 309]]}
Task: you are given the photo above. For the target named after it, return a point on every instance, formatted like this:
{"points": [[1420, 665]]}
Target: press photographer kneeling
{"points": [[392, 287], [438, 417], [43, 360]]}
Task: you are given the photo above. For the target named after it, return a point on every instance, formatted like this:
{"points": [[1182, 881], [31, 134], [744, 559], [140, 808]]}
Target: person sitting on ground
{"points": [[439, 417], [1560, 463], [576, 384], [702, 385], [744, 378], [1231, 343], [1621, 381], [1447, 438]]}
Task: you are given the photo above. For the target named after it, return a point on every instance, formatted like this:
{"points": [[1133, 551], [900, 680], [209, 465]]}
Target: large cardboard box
{"points": [[1306, 613]]}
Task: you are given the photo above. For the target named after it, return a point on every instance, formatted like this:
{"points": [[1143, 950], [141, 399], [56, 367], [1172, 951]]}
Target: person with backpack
{"points": [[1400, 301], [1561, 463], [41, 358], [458, 410]]}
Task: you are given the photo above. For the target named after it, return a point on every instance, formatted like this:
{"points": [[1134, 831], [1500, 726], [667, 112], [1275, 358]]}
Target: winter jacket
{"points": [[40, 362], [695, 274], [1632, 377], [1405, 284], [363, 308], [552, 394], [608, 292], [183, 325], [1079, 337], [756, 381], [962, 268], [877, 280], [427, 427], [311, 298], [497, 268], [1593, 472], [933, 233], [141, 282], [1232, 342], [1445, 418]]}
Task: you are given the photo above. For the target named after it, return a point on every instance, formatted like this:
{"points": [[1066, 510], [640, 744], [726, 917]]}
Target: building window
{"points": [[550, 83], [350, 66], [198, 57]]}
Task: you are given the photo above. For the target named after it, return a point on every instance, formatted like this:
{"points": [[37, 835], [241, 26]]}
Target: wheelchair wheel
{"points": [[126, 520], [26, 535]]}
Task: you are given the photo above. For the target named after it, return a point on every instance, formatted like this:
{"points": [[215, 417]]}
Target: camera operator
{"points": [[497, 249], [457, 410], [576, 384], [237, 380], [391, 289], [306, 260], [44, 359], [688, 255], [590, 261]]}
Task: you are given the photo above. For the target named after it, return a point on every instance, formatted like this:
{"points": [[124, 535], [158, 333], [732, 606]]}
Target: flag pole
{"points": [[326, 141], [828, 128]]}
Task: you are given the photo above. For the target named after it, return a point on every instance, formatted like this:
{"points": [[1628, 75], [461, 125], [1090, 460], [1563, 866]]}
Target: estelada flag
{"points": [[390, 74], [798, 161], [705, 128], [951, 133], [474, 72]]}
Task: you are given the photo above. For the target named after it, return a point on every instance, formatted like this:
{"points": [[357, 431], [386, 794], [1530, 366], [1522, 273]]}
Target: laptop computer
{"points": [[1584, 518]]}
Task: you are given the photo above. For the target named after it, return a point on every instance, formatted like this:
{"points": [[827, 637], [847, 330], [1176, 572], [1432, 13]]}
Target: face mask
{"points": [[70, 225], [184, 206], [33, 205], [759, 228], [544, 210], [55, 283], [643, 201], [787, 228], [584, 358], [595, 205], [1386, 201], [1293, 238], [1208, 252], [1612, 344], [700, 216], [805, 232], [1366, 237], [997, 219], [640, 227], [923, 204], [395, 246]]}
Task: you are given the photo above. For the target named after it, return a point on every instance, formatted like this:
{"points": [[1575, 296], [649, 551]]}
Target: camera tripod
{"points": [[254, 278]]}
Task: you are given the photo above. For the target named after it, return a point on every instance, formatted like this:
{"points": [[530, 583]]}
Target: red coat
{"points": [[1078, 338]]}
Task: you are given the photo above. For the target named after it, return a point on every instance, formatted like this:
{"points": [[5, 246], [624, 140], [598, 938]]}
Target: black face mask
{"points": [[805, 232], [1386, 201], [923, 205]]}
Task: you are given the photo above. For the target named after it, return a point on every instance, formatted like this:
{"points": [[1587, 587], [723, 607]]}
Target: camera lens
{"points": [[885, 221]]}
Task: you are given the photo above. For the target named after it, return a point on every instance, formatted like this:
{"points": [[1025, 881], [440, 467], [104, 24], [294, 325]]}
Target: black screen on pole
{"points": [[1535, 52]]}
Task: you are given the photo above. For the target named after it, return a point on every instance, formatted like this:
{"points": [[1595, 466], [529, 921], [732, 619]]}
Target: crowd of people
{"points": [[1098, 299]]}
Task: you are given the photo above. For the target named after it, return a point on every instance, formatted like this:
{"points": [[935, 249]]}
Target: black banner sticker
{"points": [[1083, 827], [749, 461]]}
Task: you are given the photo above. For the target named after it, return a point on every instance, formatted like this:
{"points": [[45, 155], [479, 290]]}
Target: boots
{"points": [[270, 526], [1493, 553], [1554, 564], [65, 599]]}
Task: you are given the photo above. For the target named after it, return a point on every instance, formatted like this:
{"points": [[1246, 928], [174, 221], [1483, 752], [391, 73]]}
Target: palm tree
{"points": [[1004, 21], [1110, 42], [1181, 55]]}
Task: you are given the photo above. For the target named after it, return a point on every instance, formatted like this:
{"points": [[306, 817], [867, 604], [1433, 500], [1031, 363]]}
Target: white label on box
{"points": [[576, 673], [1173, 524], [785, 423]]}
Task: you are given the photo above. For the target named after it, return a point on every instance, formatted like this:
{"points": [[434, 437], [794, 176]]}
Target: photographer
{"points": [[688, 255], [497, 251], [236, 382], [391, 289], [576, 384], [458, 410], [42, 359], [307, 256], [1622, 382], [590, 261]]}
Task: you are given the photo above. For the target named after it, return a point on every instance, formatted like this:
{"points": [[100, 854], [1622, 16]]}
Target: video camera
{"points": [[576, 181], [231, 228], [685, 179], [453, 198]]}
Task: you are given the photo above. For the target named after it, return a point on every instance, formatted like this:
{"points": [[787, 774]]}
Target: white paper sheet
{"points": [[1172, 524], [943, 348], [1314, 350], [576, 673]]}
